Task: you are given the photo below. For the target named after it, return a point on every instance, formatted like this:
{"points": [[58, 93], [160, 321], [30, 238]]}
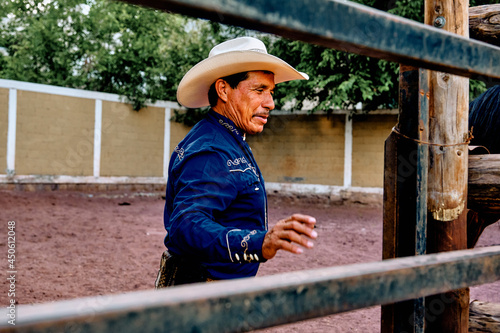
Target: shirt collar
{"points": [[228, 124]]}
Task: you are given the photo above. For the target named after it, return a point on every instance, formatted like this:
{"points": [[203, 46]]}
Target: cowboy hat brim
{"points": [[193, 88]]}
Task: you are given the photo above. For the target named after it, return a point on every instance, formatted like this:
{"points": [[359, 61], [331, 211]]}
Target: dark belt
{"points": [[177, 270]]}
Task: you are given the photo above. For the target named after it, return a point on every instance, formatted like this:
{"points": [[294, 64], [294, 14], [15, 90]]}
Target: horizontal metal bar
{"points": [[343, 25], [245, 304]]}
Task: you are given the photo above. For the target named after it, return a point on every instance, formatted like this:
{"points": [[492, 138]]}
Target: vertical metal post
{"points": [[405, 192], [421, 189]]}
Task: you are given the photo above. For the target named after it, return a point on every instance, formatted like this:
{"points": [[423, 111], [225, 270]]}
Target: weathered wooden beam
{"points": [[347, 26], [484, 317], [484, 184], [484, 23], [246, 304], [448, 158]]}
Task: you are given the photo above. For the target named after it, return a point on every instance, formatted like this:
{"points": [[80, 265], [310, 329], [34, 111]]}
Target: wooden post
{"points": [[448, 156], [405, 192], [400, 193]]}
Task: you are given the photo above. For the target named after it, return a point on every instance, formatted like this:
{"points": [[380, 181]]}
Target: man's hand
{"points": [[288, 234]]}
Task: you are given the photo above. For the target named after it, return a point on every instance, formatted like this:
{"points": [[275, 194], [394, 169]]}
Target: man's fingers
{"points": [[301, 228], [302, 218], [289, 246], [292, 236]]}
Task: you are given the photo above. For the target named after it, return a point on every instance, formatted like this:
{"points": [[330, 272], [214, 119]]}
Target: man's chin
{"points": [[255, 130], [258, 125]]}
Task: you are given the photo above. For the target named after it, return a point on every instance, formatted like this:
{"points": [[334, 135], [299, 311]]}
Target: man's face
{"points": [[248, 105]]}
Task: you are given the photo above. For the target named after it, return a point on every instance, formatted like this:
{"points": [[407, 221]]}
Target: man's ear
{"points": [[221, 87]]}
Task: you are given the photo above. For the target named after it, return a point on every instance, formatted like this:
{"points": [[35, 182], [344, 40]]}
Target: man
{"points": [[216, 204]]}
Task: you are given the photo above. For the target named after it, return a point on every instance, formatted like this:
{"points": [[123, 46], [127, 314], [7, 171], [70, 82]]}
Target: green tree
{"points": [[337, 79], [100, 45]]}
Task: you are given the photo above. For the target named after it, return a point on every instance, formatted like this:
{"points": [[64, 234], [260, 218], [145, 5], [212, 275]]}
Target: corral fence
{"points": [[252, 303], [246, 304]]}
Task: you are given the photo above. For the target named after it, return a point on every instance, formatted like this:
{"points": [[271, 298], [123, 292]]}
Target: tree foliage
{"points": [[142, 54], [100, 45]]}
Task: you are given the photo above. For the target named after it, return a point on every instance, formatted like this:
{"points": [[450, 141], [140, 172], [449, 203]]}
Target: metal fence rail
{"points": [[246, 304], [351, 27]]}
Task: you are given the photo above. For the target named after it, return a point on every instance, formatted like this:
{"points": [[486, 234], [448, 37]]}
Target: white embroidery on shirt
{"points": [[180, 152], [244, 242], [229, 126], [240, 170], [237, 161]]}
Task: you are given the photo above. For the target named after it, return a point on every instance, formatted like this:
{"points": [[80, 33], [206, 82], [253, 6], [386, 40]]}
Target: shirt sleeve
{"points": [[204, 189]]}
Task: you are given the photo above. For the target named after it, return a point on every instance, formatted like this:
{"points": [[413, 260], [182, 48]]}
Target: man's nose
{"points": [[268, 102]]}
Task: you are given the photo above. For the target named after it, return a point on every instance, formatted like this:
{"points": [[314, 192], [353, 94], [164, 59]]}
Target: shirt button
{"points": [[237, 257], [256, 257]]}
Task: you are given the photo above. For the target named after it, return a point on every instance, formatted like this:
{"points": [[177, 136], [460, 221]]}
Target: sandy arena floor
{"points": [[74, 244]]}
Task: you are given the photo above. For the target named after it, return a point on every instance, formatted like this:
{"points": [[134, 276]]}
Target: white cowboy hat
{"points": [[230, 57]]}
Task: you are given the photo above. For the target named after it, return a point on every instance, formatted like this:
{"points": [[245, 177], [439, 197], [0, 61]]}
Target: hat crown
{"points": [[239, 44]]}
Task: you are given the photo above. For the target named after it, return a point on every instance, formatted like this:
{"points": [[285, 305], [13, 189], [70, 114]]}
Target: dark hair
{"points": [[233, 81], [484, 117]]}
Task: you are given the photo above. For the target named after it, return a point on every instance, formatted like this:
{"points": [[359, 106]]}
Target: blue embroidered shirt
{"points": [[216, 205]]}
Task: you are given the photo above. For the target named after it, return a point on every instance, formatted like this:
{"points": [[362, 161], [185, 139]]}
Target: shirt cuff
{"points": [[245, 246]]}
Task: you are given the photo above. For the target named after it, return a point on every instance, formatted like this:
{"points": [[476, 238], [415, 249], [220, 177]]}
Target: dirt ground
{"points": [[74, 244]]}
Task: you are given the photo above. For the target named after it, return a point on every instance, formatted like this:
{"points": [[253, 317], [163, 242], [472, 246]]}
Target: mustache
{"points": [[258, 114]]}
